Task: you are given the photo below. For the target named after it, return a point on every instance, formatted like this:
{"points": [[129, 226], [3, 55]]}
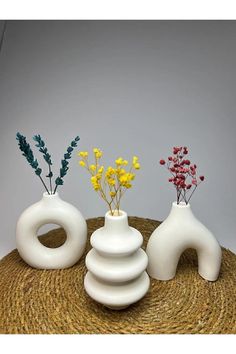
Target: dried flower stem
{"points": [[44, 185]]}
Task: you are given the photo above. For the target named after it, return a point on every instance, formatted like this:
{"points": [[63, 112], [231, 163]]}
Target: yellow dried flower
{"points": [[83, 154], [111, 181], [119, 161], [110, 171], [82, 163], [92, 168], [131, 176], [120, 171], [101, 169], [97, 153], [96, 186], [93, 179], [123, 179], [135, 160], [137, 166]]}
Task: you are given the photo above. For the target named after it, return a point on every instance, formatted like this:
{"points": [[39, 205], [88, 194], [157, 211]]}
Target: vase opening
{"points": [[46, 195], [116, 213], [181, 205], [56, 241]]}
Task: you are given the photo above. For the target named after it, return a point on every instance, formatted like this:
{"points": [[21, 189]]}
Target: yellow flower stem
{"points": [[102, 194], [96, 163], [87, 165], [104, 185], [104, 197], [118, 197], [110, 190], [114, 199], [120, 194], [116, 203]]}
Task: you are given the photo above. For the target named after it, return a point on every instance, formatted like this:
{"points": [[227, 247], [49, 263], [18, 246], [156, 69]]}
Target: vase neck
{"points": [[181, 210], [50, 198], [116, 223]]}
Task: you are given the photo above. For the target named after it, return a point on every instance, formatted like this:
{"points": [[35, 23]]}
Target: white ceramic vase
{"points": [[116, 264], [51, 209], [181, 230]]}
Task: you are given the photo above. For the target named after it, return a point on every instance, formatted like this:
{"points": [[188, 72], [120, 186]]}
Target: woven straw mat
{"points": [[54, 301]]}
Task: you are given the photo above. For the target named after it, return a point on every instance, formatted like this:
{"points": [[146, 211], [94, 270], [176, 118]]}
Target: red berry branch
{"points": [[184, 174]]}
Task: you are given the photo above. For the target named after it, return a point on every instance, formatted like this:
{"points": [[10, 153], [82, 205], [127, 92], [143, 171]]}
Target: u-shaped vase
{"points": [[180, 231]]}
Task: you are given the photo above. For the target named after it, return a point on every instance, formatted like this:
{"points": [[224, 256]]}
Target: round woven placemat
{"points": [[54, 301]]}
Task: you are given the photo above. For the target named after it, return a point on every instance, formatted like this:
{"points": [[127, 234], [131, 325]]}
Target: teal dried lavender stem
{"points": [[44, 184], [64, 163], [50, 177], [28, 154], [47, 157]]}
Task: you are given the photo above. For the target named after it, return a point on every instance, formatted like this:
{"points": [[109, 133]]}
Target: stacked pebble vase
{"points": [[116, 264]]}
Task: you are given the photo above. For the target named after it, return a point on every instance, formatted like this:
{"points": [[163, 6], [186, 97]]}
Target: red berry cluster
{"points": [[184, 173]]}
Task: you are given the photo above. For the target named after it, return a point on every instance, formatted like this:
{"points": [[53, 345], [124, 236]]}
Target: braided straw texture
{"points": [[54, 301]]}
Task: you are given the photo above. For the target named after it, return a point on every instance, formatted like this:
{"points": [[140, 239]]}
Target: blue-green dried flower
{"points": [[59, 181], [28, 154], [40, 144], [47, 157], [64, 163]]}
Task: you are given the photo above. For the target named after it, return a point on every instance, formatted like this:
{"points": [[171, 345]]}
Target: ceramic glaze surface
{"points": [[181, 230], [51, 209], [116, 264]]}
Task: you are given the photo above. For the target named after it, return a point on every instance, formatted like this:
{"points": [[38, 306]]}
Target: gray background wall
{"points": [[128, 87]]}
